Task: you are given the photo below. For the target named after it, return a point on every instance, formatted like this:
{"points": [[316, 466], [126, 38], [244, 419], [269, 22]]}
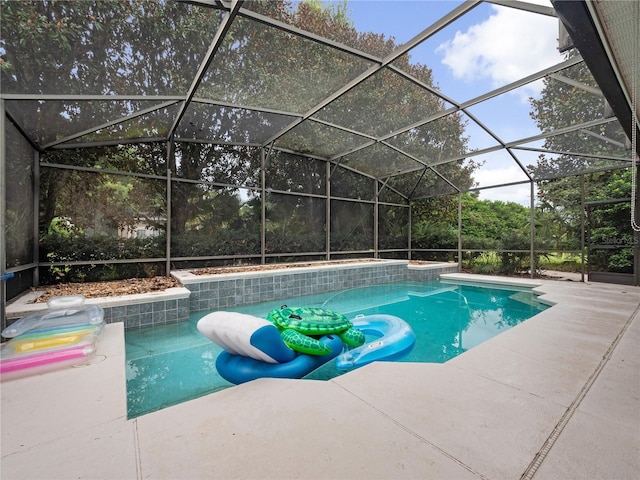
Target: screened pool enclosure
{"points": [[145, 136]]}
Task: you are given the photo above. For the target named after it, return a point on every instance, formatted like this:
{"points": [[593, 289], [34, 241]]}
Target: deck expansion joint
{"points": [[539, 458]]}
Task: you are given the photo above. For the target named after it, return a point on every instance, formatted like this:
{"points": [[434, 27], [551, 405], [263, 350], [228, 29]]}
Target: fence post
{"points": [[167, 250], [459, 231], [532, 230]]}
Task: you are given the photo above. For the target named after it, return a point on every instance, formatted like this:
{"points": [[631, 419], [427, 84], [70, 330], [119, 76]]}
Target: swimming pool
{"points": [[170, 364]]}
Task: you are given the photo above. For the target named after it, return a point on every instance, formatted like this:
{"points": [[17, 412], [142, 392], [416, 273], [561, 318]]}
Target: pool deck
{"points": [[556, 397]]}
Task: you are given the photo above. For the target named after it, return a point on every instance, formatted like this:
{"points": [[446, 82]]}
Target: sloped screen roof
{"points": [[407, 93]]}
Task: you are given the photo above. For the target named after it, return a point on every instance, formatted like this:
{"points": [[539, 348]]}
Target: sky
{"points": [[488, 47]]}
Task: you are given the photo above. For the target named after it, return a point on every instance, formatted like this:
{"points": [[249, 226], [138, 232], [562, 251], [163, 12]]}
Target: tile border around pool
{"points": [[138, 310], [215, 292]]}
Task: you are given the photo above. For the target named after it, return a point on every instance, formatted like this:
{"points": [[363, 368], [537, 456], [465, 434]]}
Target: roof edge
{"points": [[580, 25]]}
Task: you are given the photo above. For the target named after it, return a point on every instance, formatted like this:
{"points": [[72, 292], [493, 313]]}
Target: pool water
{"points": [[170, 364]]}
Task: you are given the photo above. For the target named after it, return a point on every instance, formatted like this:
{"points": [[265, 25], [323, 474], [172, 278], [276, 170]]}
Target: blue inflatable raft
{"points": [[253, 347], [394, 339]]}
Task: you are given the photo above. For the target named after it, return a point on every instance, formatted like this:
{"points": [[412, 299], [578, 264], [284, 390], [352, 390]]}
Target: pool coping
{"points": [[225, 290], [24, 305], [230, 290], [506, 281], [501, 410], [187, 277]]}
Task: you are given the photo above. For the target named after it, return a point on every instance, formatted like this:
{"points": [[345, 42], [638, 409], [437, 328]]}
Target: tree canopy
{"points": [[249, 90]]}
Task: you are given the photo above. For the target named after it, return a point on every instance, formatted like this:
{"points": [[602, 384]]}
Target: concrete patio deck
{"points": [[557, 397]]}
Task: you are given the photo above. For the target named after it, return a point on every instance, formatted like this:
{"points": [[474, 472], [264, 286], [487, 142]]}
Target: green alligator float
{"points": [[299, 326]]}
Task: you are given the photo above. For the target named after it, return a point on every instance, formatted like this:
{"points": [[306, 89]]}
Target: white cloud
{"points": [[486, 177], [507, 46], [496, 176], [517, 193]]}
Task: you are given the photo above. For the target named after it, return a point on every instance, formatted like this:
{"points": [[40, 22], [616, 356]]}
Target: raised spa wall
{"points": [[220, 291], [217, 292]]}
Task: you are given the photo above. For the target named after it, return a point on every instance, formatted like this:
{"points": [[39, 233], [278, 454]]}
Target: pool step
{"points": [[526, 298]]}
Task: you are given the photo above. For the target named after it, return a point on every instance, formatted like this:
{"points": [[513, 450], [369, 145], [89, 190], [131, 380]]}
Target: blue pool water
{"points": [[170, 364]]}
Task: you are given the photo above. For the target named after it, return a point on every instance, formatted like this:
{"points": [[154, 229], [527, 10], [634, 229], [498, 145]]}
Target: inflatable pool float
{"points": [[50, 338], [298, 326], [38, 363], [254, 348], [64, 311], [64, 335], [394, 339]]}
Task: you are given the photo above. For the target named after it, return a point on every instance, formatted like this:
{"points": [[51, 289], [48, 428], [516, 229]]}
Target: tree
{"points": [[608, 224], [559, 105], [150, 47], [562, 104]]}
